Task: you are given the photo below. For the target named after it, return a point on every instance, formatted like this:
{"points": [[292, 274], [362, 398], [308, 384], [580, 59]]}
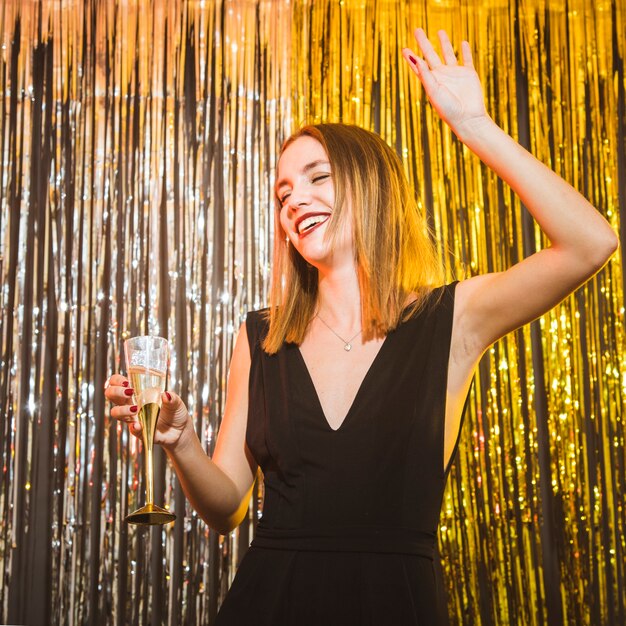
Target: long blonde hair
{"points": [[393, 249]]}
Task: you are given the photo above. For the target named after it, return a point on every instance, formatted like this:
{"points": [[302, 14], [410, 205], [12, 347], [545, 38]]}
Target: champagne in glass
{"points": [[147, 360]]}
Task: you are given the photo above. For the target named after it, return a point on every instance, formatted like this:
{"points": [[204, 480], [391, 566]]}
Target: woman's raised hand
{"points": [[173, 420], [454, 90]]}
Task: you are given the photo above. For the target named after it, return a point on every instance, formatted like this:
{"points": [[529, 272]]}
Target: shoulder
{"points": [[444, 295], [258, 317], [436, 300], [256, 326], [430, 318]]}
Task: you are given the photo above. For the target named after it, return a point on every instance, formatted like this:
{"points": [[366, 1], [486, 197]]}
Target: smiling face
{"points": [[358, 214], [306, 195]]}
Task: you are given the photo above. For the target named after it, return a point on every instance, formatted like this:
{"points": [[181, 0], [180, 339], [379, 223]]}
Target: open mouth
{"points": [[309, 224]]}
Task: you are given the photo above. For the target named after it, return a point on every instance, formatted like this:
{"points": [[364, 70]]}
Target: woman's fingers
{"points": [[126, 414], [119, 395], [447, 51], [446, 48], [173, 417], [466, 53], [411, 58], [420, 67], [118, 391], [117, 379], [173, 409], [431, 56]]}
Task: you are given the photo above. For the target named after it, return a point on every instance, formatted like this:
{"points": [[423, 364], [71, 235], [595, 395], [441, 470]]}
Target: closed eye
{"points": [[317, 179], [320, 178]]}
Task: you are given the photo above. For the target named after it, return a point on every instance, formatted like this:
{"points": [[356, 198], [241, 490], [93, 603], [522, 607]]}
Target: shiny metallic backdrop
{"points": [[138, 141]]}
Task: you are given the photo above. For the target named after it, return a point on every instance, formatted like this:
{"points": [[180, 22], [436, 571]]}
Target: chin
{"points": [[313, 252]]}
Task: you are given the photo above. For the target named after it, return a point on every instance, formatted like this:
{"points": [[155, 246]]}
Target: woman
{"points": [[349, 392]]}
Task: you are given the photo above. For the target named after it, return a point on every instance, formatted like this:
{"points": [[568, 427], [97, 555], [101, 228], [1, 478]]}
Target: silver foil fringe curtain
{"points": [[138, 142]]}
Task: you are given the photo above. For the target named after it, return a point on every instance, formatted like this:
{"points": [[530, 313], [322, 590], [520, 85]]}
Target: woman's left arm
{"points": [[581, 240]]}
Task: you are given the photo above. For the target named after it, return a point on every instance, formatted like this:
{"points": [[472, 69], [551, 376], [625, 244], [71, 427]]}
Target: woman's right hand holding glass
{"points": [[173, 424]]}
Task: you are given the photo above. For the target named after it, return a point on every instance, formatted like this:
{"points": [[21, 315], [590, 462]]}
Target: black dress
{"points": [[348, 531]]}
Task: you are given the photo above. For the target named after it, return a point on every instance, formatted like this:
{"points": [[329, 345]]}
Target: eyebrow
{"points": [[308, 167]]}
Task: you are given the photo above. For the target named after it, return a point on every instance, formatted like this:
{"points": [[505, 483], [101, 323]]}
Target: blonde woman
{"points": [[349, 390]]}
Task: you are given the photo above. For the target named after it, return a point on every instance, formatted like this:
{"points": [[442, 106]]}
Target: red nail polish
{"points": [[167, 393], [128, 392], [412, 59], [133, 409], [125, 383]]}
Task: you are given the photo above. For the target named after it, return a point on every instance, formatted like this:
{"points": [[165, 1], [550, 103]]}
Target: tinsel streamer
{"points": [[138, 144]]}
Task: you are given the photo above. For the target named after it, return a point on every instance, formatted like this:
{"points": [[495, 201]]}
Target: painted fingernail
{"points": [[133, 409], [169, 397], [125, 383], [412, 59], [128, 392]]}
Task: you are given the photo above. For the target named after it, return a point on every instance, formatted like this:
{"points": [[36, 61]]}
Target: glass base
{"points": [[149, 515]]}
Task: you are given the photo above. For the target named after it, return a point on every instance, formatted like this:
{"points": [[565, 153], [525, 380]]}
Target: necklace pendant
{"points": [[348, 347]]}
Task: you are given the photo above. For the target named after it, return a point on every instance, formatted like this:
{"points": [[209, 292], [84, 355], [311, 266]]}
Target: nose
{"points": [[300, 196]]}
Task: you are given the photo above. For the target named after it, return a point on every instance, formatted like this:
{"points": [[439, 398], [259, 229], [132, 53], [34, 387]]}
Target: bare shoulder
{"points": [[241, 351]]}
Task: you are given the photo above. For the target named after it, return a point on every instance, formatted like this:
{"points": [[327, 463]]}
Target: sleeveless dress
{"points": [[348, 531]]}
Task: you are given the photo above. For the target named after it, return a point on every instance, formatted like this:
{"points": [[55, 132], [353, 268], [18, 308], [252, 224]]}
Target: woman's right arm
{"points": [[218, 489]]}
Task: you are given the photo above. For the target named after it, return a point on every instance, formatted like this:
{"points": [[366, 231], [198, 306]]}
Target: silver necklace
{"points": [[347, 345]]}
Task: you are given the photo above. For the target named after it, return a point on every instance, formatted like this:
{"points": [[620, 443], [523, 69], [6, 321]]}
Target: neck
{"points": [[339, 298]]}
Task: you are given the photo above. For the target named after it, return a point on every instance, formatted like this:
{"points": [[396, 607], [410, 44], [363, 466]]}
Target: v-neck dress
{"points": [[348, 531]]}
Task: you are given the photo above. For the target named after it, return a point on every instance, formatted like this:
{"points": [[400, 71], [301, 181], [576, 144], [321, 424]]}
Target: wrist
{"points": [[475, 130]]}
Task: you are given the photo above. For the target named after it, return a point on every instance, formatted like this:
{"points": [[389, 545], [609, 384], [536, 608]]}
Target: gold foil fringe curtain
{"points": [[138, 142]]}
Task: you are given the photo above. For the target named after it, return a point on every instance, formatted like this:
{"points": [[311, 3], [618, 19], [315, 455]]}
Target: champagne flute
{"points": [[147, 360]]}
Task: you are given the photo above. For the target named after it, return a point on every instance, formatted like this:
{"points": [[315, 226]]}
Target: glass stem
{"points": [[149, 476]]}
